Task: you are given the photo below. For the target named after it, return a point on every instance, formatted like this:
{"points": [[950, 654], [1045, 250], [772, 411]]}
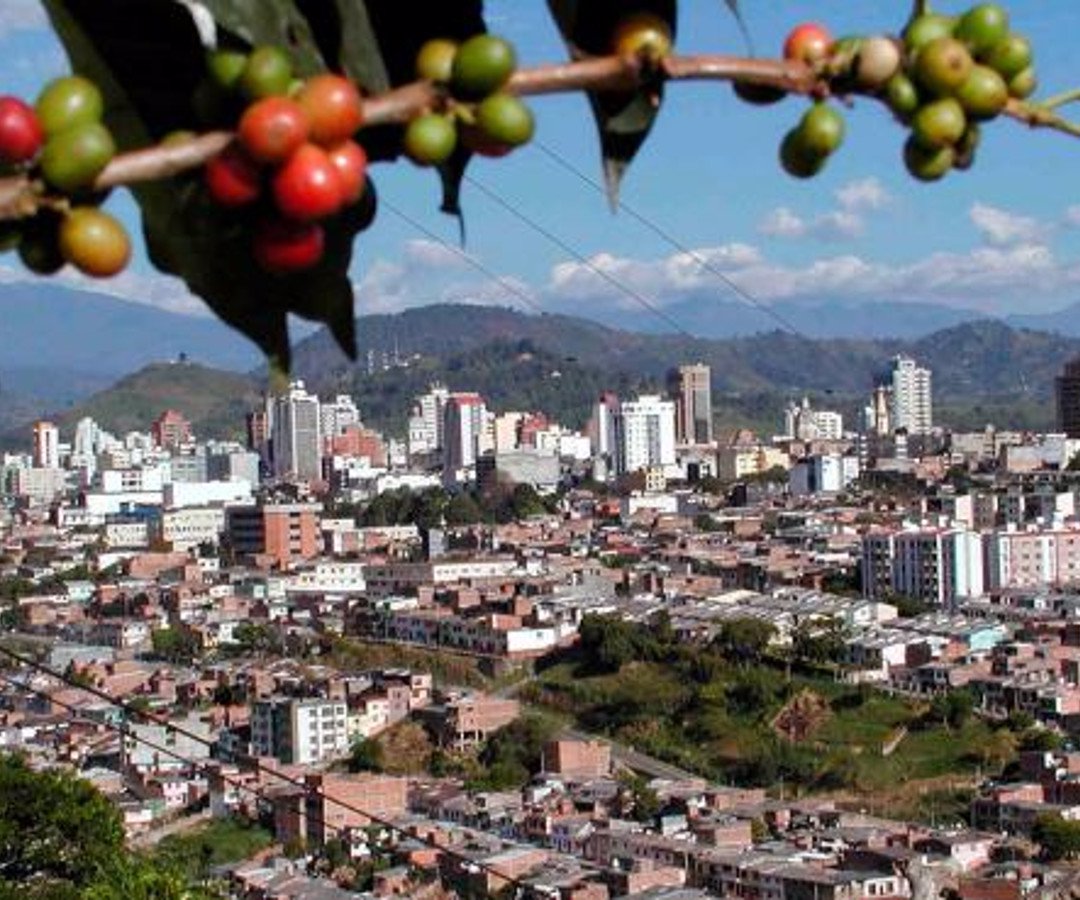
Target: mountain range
{"points": [[983, 371]]}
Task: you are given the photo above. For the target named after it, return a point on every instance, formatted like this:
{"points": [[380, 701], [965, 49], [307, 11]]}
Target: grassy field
{"points": [[721, 726], [221, 841]]}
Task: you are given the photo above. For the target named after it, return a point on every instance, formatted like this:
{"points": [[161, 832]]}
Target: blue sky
{"points": [[1001, 238]]}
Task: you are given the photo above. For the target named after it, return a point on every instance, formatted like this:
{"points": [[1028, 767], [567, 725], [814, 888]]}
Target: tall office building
{"points": [[601, 428], [691, 389], [1067, 387], [295, 435], [464, 430], [46, 445], [338, 415], [427, 420], [645, 434], [171, 430], [911, 406]]}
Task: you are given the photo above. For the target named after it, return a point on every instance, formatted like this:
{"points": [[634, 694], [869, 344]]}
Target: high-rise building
{"points": [[338, 415], [691, 389], [171, 430], [806, 424], [464, 430], [427, 419], [602, 434], [911, 407], [296, 439], [1068, 399], [645, 434], [46, 445]]}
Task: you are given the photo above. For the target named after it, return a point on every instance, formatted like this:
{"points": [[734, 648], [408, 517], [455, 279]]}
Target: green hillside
{"points": [[214, 401]]}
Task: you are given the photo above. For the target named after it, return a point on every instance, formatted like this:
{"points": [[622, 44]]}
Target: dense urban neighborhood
{"points": [[498, 656]]}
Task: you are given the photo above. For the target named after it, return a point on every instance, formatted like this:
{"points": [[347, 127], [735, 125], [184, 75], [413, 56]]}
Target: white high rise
{"points": [[602, 434], [297, 442], [912, 408], [427, 419], [645, 430], [337, 415]]}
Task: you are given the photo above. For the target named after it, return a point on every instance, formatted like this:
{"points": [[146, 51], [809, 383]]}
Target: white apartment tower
{"points": [[806, 424], [336, 416], [427, 419], [296, 436], [602, 434], [645, 430], [911, 407]]}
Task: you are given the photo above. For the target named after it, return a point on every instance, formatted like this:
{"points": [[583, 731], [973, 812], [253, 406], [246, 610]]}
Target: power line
{"points": [[255, 761], [672, 241], [503, 282], [194, 764], [553, 238]]}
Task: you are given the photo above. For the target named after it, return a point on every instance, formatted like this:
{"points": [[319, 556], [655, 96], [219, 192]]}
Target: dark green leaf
{"points": [[624, 118], [275, 22]]}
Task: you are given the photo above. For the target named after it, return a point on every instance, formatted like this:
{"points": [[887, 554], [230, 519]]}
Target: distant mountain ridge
{"points": [[983, 371]]}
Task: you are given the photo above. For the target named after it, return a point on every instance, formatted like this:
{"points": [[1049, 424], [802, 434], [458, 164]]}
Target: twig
{"points": [[21, 196]]}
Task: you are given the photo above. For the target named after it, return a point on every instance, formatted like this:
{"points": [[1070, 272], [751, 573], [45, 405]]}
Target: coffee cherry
{"points": [[350, 161], [877, 60], [232, 178], [267, 73], [67, 102], [73, 158], [821, 130], [39, 247], [333, 106], [939, 124], [902, 96], [927, 164], [430, 139], [1009, 56], [1023, 84], [982, 27], [307, 187], [757, 94], [283, 247], [798, 160], [984, 94], [942, 66], [272, 129], [966, 147], [94, 242], [642, 34], [435, 61], [226, 67], [21, 134], [481, 66], [926, 28], [505, 119], [808, 43]]}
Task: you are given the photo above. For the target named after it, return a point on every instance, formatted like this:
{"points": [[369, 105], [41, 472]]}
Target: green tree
{"points": [[55, 828], [177, 645], [1059, 839], [366, 755], [744, 639]]}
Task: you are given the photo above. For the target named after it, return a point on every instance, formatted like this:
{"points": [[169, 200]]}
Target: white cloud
{"points": [[863, 195], [434, 255], [1000, 227], [844, 223], [1071, 216], [21, 15], [782, 222]]}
